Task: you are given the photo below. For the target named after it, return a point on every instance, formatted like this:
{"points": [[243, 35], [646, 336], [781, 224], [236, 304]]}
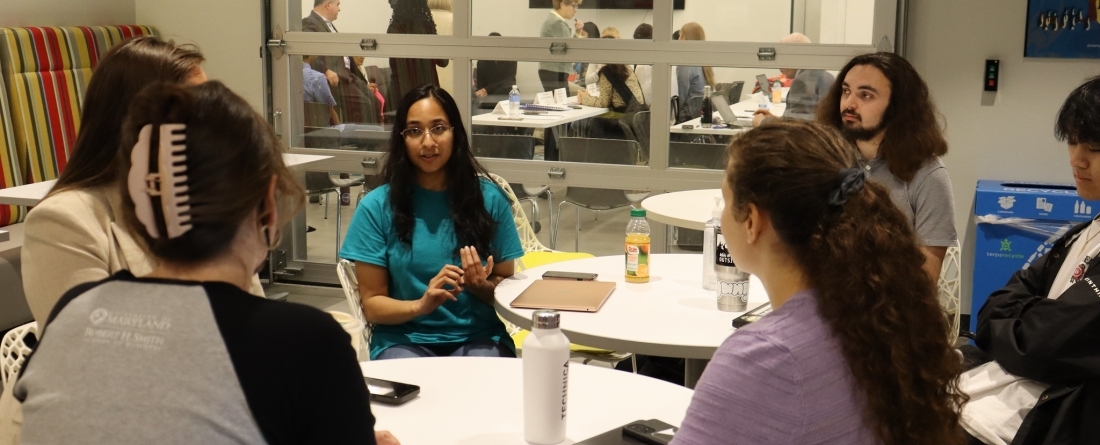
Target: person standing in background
{"points": [[560, 23], [444, 25], [412, 17]]}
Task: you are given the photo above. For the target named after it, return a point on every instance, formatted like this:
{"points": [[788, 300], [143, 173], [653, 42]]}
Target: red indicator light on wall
{"points": [[992, 74]]}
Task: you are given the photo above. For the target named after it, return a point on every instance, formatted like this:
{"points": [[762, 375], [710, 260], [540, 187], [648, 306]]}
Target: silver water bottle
{"points": [[733, 284]]}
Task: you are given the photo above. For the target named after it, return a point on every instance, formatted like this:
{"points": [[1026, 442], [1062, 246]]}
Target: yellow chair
{"points": [[539, 255]]}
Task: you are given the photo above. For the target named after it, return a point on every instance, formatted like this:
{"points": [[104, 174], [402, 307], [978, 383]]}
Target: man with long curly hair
{"points": [[882, 105], [1042, 329]]}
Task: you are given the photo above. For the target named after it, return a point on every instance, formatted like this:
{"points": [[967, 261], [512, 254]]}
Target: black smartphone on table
{"points": [[390, 393], [638, 432], [755, 314], [575, 276]]}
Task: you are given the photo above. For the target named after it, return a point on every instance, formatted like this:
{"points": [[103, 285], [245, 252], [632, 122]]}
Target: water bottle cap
{"points": [[515, 87], [637, 213], [719, 205], [545, 319]]}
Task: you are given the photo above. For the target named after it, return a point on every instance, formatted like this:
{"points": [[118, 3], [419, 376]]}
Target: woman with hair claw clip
{"points": [[185, 354]]}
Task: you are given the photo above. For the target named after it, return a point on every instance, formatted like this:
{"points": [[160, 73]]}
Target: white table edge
{"points": [[619, 345], [4, 236]]}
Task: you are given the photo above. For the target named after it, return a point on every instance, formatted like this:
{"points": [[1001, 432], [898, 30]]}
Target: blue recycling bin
{"points": [[1016, 224]]}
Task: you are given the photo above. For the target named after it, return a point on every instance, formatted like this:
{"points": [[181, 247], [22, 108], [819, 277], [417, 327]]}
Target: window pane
{"points": [[605, 126], [694, 145], [820, 21], [377, 16], [358, 111], [538, 18]]}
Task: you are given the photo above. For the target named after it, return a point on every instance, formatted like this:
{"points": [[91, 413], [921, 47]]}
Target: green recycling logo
{"points": [[1006, 245]]}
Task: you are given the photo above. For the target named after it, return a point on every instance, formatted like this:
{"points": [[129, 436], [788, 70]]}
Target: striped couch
{"points": [[43, 74]]}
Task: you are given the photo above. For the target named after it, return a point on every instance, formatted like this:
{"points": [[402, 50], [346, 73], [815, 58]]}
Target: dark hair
{"points": [[1079, 119], [615, 71], [676, 35], [232, 154], [913, 135], [592, 30], [885, 313], [472, 222], [412, 11], [644, 31], [122, 73], [317, 3]]}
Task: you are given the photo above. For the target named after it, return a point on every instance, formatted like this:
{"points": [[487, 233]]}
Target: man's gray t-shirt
{"points": [[926, 200]]}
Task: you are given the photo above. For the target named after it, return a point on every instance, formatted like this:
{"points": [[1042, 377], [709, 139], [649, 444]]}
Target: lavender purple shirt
{"points": [[780, 380]]}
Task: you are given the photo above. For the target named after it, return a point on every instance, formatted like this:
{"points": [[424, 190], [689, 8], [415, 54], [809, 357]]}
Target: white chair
{"points": [[948, 289], [350, 283], [14, 351], [531, 244]]}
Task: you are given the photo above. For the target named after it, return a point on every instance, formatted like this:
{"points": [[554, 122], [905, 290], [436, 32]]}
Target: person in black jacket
{"points": [[494, 78], [1042, 330]]}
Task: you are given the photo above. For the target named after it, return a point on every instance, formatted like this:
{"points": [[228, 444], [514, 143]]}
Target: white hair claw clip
{"points": [[169, 182]]}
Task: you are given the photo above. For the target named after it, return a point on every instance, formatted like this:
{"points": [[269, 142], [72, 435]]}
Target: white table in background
{"points": [[32, 194], [742, 110], [671, 315], [479, 401], [548, 120], [689, 209]]}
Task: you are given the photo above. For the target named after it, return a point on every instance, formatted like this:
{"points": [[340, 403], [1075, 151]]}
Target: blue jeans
{"points": [[482, 348]]}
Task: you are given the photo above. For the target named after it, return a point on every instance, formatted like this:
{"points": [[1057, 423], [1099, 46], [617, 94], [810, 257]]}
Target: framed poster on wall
{"points": [[1063, 29]]}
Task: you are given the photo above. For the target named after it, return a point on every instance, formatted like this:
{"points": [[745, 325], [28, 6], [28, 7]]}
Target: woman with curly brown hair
{"points": [[855, 350]]}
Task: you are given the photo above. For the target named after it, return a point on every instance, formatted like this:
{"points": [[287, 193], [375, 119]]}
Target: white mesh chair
{"points": [[948, 289], [532, 244], [14, 351], [350, 283]]}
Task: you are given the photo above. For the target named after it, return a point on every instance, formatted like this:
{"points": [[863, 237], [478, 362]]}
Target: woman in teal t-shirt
{"points": [[418, 241]]}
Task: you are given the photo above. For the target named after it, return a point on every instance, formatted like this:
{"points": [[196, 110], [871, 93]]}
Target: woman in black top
{"points": [[185, 354]]}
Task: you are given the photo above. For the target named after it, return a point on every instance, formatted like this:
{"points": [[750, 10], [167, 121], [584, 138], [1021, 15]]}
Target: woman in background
{"points": [[419, 240], [851, 353], [690, 80], [73, 235], [185, 353], [412, 17]]}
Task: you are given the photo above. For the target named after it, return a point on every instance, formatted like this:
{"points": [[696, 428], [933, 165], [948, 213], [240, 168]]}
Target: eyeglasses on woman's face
{"points": [[417, 133]]}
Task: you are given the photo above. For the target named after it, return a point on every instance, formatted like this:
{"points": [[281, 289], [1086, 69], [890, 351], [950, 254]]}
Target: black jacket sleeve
{"points": [[1048, 340], [297, 368]]}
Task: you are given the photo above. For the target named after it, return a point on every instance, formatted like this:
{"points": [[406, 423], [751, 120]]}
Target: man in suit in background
{"points": [[354, 103]]}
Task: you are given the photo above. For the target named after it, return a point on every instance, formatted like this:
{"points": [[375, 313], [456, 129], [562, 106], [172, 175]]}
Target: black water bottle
{"points": [[708, 109]]}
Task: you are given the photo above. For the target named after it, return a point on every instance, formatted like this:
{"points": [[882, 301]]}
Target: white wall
{"points": [[66, 12], [1010, 139], [227, 32]]}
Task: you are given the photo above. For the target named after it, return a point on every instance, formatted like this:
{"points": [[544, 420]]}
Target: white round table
{"points": [[670, 316], [689, 209], [473, 400]]}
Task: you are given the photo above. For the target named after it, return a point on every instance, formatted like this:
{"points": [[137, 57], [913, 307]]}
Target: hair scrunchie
{"points": [[851, 182]]}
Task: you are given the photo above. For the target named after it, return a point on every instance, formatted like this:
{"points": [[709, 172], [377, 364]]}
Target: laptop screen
{"points": [[723, 108], [765, 86]]}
